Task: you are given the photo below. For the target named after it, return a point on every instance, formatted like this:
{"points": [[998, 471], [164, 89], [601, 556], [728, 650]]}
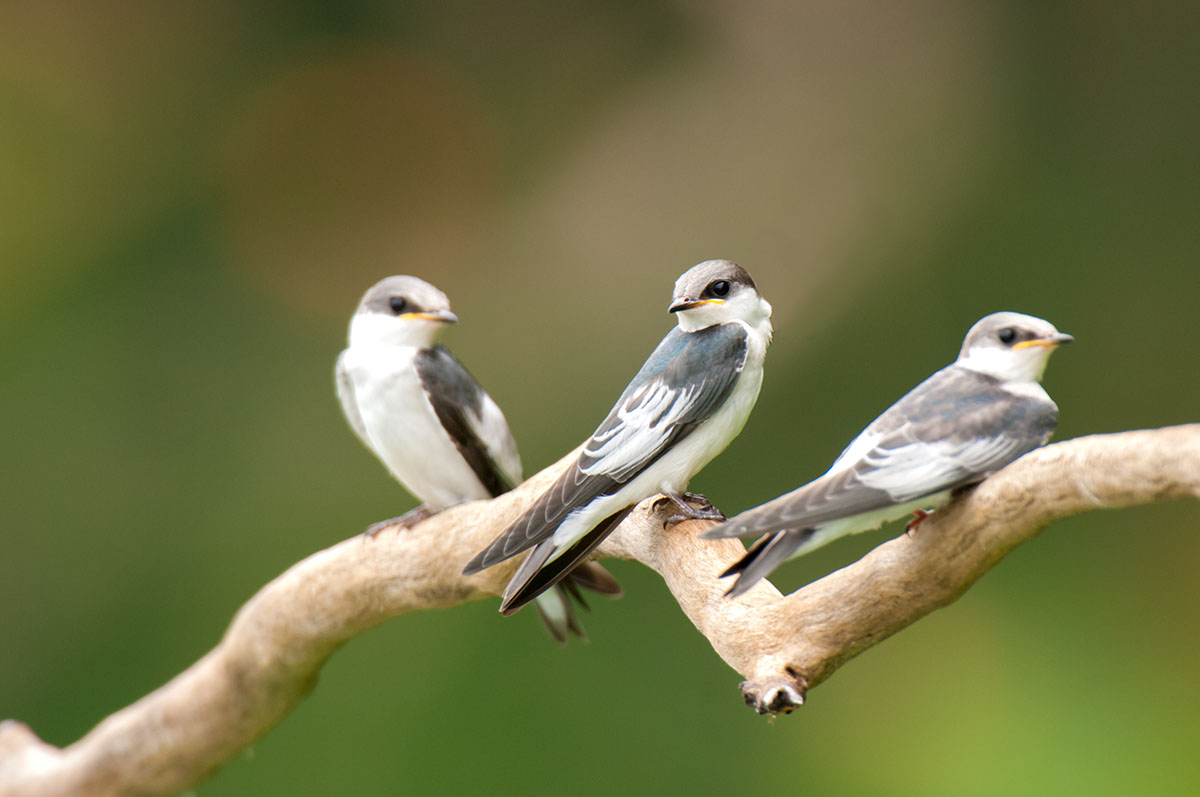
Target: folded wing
{"points": [[472, 419], [955, 428], [683, 382]]}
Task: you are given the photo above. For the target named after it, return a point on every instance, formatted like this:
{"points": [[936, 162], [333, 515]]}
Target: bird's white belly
{"points": [[407, 436], [867, 521], [674, 469]]}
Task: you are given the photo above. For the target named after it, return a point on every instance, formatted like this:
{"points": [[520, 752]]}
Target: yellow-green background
{"points": [[194, 195]]}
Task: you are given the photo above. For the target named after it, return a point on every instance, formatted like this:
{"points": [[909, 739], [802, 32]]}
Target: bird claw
{"points": [[704, 504], [407, 520], [918, 516], [683, 503]]}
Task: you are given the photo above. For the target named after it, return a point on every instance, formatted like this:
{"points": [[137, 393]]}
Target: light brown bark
{"points": [[269, 658]]}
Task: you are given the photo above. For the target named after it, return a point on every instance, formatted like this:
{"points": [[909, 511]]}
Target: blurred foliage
{"points": [[195, 195]]}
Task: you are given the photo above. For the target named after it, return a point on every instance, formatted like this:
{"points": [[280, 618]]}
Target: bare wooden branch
{"points": [[269, 658], [786, 645]]}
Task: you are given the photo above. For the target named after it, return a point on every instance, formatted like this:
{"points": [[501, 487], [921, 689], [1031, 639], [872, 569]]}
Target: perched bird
{"points": [[965, 422], [426, 418], [689, 400]]}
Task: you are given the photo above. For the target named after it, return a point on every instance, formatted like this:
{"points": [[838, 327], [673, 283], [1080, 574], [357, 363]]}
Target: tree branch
{"points": [[277, 643]]}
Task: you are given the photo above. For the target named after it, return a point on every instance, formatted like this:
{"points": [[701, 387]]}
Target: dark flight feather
{"points": [[453, 392], [535, 576], [971, 425], [708, 361]]}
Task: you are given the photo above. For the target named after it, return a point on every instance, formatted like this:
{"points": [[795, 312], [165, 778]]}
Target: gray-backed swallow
{"points": [[689, 400], [425, 417], [960, 425]]}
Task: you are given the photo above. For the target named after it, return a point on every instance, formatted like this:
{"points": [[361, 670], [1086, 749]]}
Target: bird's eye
{"points": [[1007, 335], [398, 304], [720, 288]]}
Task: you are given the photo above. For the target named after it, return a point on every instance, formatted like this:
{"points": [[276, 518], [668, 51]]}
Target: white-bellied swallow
{"points": [[425, 417], [960, 425], [689, 400]]}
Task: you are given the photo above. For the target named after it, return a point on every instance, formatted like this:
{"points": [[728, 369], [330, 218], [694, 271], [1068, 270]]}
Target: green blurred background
{"points": [[193, 196]]}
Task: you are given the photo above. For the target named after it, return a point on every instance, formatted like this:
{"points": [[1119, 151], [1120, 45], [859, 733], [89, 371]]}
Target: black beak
{"points": [[685, 304]]}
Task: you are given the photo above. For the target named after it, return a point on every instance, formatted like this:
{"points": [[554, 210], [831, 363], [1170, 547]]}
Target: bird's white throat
{"points": [[379, 329], [747, 307], [1008, 365]]}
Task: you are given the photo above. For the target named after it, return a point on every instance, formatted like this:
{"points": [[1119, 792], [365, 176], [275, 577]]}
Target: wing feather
{"points": [[955, 428], [473, 421], [683, 382]]}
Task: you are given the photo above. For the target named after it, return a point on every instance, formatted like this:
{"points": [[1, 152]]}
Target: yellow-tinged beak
{"points": [[1051, 342], [443, 316], [688, 304]]}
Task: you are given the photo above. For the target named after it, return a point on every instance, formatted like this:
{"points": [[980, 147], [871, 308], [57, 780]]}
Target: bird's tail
{"points": [[766, 554], [759, 520], [593, 576], [555, 606], [539, 571]]}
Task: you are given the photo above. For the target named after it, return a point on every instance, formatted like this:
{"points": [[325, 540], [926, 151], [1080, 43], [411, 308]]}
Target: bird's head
{"points": [[1010, 346], [400, 311], [717, 291]]}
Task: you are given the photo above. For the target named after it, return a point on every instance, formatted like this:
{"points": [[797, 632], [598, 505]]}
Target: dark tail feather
{"points": [[751, 554], [558, 615], [765, 555], [535, 575], [572, 590], [593, 576], [555, 607]]}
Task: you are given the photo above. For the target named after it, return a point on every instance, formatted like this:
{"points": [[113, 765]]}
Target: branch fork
{"points": [[269, 658]]}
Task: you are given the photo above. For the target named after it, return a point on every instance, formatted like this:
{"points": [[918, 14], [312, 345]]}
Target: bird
{"points": [[960, 425], [689, 400], [415, 406]]}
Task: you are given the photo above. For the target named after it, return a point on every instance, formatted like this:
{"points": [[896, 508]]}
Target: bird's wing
{"points": [[492, 429], [684, 381], [953, 429], [546, 565], [471, 418], [345, 391]]}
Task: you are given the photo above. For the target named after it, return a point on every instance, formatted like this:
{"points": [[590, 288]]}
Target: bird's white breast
{"points": [[403, 429], [674, 469]]}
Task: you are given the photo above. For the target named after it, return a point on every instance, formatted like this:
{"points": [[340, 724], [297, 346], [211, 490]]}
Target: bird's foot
{"points": [[918, 516], [778, 694], [683, 503], [703, 502], [407, 520]]}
